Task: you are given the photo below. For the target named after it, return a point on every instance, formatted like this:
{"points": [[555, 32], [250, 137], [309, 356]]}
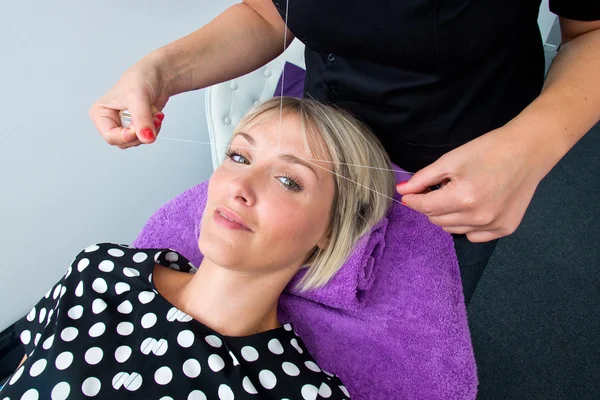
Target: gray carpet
{"points": [[535, 316]]}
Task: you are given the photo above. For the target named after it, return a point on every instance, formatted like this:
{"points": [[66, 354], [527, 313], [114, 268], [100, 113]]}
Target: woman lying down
{"points": [[145, 323]]}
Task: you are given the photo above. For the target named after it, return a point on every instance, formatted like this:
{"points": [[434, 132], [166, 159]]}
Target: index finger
{"points": [[434, 203], [107, 122]]}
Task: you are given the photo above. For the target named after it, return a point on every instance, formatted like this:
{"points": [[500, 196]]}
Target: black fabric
{"points": [[472, 260], [11, 352], [425, 76], [587, 10], [104, 331]]}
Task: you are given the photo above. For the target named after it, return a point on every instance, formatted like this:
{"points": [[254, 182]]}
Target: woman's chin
{"points": [[222, 254]]}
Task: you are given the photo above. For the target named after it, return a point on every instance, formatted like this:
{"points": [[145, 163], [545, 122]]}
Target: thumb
{"points": [[141, 114], [420, 182]]}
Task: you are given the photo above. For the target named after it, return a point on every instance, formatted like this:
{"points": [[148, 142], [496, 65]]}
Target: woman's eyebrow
{"points": [[248, 138]]}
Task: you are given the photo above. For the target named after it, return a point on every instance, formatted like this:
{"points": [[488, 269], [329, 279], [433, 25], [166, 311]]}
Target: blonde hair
{"points": [[358, 203]]}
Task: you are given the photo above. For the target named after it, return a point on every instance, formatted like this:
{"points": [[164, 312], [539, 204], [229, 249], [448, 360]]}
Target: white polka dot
{"points": [[25, 337], [172, 257], [56, 291], [150, 277], [79, 289], [98, 306], [125, 328], [312, 366], [290, 369], [248, 386], [64, 360], [294, 343], [275, 346], [63, 291], [130, 272], [48, 293], [91, 387], [174, 266], [287, 327], [309, 392], [122, 287], [133, 382], [42, 315], [122, 354], [146, 297], [99, 285], [267, 379], [91, 249], [157, 255], [83, 264], [31, 315], [185, 338], [140, 257], [31, 394], [75, 312], [69, 334], [38, 367], [325, 390], [343, 389], [116, 252], [125, 307], [191, 368], [196, 395], [50, 316], [234, 359], [38, 336], [94, 355], [215, 362], [148, 320], [69, 271], [106, 266], [97, 329], [48, 343], [16, 375], [225, 393], [249, 353], [61, 391], [163, 375], [214, 341], [160, 348], [166, 398]]}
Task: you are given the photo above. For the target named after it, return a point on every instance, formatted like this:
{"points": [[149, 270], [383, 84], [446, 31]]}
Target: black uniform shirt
{"points": [[426, 75]]}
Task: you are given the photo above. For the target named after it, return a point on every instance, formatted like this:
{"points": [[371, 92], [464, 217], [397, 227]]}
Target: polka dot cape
{"points": [[105, 332]]}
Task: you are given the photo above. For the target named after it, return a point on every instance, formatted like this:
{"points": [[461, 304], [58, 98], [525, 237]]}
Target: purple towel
{"points": [[397, 330]]}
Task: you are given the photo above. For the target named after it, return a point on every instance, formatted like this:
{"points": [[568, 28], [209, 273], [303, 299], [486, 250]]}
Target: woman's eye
{"points": [[290, 184], [237, 158]]}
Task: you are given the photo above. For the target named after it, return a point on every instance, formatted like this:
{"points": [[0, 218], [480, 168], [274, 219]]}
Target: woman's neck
{"points": [[230, 302]]}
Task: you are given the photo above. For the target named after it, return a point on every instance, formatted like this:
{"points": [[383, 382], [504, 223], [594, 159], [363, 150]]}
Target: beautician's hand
{"points": [[140, 90], [486, 186]]}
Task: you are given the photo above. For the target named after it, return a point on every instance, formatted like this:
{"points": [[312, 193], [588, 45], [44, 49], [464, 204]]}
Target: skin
{"points": [[238, 284], [487, 183]]}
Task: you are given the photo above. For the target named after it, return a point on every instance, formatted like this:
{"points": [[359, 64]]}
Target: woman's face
{"points": [[267, 209]]}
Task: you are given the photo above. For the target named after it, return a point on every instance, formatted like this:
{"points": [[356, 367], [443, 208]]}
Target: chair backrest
{"points": [[228, 102]]}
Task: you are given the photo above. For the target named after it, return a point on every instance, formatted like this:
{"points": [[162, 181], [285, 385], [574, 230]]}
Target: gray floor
{"points": [[535, 316]]}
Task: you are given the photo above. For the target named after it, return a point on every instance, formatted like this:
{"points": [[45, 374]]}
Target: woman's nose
{"points": [[243, 188]]}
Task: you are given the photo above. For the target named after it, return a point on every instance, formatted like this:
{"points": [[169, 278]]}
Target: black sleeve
{"points": [[580, 10]]}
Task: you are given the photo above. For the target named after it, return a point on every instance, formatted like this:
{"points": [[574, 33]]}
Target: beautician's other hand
{"points": [[143, 92], [486, 186]]}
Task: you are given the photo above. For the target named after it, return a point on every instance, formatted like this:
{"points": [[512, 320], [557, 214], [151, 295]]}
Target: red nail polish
{"points": [[147, 133], [160, 116], [157, 123], [401, 183]]}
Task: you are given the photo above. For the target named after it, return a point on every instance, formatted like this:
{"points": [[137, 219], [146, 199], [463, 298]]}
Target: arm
{"points": [[492, 179], [241, 39]]}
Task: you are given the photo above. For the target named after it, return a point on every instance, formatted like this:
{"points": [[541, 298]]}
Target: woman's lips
{"points": [[229, 219]]}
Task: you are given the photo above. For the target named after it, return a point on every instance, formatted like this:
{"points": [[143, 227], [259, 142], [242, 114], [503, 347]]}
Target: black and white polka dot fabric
{"points": [[104, 332]]}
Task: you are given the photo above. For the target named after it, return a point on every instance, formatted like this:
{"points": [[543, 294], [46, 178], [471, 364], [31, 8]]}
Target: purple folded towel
{"points": [[392, 323]]}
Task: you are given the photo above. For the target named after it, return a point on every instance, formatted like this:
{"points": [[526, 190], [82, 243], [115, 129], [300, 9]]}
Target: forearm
{"points": [[569, 104], [235, 43]]}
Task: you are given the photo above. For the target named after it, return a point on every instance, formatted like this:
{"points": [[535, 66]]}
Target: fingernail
{"points": [[147, 133], [403, 203], [160, 116], [401, 183], [157, 123]]}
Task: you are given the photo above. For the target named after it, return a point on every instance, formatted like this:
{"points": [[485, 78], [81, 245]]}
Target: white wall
{"points": [[62, 187]]}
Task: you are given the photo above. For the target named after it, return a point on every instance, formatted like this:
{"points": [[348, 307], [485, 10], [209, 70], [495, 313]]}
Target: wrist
{"points": [[171, 66]]}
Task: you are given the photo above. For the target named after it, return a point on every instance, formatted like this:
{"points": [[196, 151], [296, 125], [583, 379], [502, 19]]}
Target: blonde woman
{"points": [[145, 323]]}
